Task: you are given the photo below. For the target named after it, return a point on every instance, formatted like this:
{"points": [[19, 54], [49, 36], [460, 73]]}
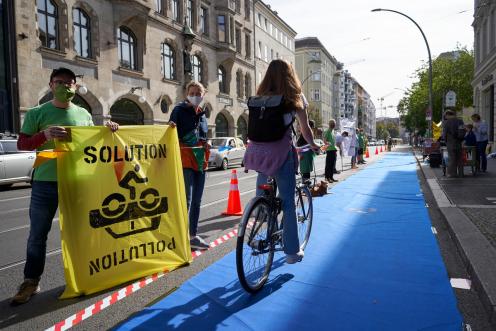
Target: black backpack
{"points": [[266, 118]]}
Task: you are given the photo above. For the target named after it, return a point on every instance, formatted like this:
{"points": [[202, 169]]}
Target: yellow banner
{"points": [[122, 206]]}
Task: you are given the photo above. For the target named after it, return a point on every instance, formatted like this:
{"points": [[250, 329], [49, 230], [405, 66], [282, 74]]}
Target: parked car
{"points": [[226, 152], [372, 142], [15, 166]]}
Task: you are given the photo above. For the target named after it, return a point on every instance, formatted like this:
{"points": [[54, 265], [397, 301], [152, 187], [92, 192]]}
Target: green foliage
{"points": [[384, 130], [447, 74], [314, 114]]}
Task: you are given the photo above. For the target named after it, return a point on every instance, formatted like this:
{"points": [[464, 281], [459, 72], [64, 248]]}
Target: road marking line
{"points": [[15, 264], [461, 283], [126, 291], [21, 227], [491, 198], [434, 231], [18, 198], [13, 211]]}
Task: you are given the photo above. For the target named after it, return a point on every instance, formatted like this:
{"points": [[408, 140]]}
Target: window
{"points": [[259, 20], [164, 105], [159, 6], [271, 54], [238, 40], [196, 64], [127, 48], [175, 10], [265, 24], [221, 76], [82, 35], [204, 20], [275, 32], [231, 30], [259, 50], [247, 9], [316, 94], [239, 84], [238, 6], [316, 76], [266, 53], [221, 28], [126, 112], [247, 85], [221, 126], [247, 45], [48, 23], [189, 13], [167, 60]]}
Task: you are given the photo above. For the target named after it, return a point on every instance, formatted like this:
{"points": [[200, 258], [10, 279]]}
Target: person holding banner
{"points": [[43, 124], [192, 129]]}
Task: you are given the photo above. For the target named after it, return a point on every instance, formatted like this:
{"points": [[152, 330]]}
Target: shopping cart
{"points": [[468, 157]]}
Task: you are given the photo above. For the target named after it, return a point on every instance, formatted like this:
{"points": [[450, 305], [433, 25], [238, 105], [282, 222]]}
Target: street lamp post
{"points": [[429, 129]]}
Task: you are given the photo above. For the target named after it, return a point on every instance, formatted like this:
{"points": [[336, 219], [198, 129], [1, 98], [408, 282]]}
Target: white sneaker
{"points": [[293, 258], [198, 242]]}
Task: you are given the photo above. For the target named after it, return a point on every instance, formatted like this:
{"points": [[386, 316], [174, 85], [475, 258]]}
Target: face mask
{"points": [[64, 94], [195, 101]]}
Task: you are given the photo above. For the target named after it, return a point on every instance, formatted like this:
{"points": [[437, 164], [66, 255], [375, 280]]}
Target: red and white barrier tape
{"points": [[126, 291]]}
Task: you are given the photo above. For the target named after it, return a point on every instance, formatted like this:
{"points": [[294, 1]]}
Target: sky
{"points": [[382, 50]]}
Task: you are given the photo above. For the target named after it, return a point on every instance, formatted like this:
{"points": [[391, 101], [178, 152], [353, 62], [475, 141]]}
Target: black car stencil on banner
{"points": [[130, 210]]}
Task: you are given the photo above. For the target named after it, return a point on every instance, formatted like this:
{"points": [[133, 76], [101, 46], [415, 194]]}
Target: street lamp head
{"points": [[377, 9]]}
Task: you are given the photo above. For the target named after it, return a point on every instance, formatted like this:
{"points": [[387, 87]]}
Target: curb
{"points": [[476, 251]]}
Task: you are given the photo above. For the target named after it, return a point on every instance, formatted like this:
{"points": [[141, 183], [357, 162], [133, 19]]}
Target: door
{"points": [[17, 164]]}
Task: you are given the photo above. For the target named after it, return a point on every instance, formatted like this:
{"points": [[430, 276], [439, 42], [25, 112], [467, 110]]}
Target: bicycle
{"points": [[260, 233]]}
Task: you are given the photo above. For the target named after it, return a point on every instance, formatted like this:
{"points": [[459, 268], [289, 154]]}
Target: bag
{"points": [[266, 118]]}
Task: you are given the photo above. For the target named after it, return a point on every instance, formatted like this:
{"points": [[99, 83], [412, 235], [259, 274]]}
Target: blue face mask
{"points": [[195, 101]]}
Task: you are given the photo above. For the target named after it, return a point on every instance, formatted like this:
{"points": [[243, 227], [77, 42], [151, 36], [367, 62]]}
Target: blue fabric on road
{"points": [[372, 263]]}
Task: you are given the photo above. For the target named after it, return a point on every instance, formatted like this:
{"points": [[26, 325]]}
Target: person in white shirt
{"points": [[481, 134]]}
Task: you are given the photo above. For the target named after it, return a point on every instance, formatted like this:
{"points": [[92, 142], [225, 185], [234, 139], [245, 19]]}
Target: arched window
{"points": [[82, 33], [242, 129], [48, 23], [196, 64], [126, 112], [221, 76], [247, 85], [221, 126], [127, 48], [167, 56], [239, 84]]}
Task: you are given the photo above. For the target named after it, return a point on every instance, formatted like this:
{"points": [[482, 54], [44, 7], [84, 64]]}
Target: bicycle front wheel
{"points": [[304, 214], [254, 247]]}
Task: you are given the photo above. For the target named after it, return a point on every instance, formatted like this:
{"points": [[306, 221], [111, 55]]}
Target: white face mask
{"points": [[195, 101]]}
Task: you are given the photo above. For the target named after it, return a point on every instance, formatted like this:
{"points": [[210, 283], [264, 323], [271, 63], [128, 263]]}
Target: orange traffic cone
{"points": [[376, 151], [234, 202], [367, 155], [381, 149]]}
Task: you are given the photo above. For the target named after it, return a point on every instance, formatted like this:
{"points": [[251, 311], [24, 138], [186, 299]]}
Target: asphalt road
{"points": [[44, 309]]}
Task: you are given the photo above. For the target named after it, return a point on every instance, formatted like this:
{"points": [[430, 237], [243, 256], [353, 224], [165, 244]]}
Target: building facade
{"points": [[317, 69], [136, 57], [485, 62], [365, 111], [274, 39]]}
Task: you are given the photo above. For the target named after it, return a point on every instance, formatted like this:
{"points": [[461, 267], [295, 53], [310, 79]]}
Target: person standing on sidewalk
{"points": [[453, 135], [331, 152], [306, 157], [480, 130], [192, 129], [43, 124]]}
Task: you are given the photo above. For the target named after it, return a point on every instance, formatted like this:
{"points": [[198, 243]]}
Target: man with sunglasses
{"points": [[41, 125]]}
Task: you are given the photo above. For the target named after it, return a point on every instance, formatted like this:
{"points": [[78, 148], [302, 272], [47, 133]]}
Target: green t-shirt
{"points": [[43, 116], [361, 141], [330, 139]]}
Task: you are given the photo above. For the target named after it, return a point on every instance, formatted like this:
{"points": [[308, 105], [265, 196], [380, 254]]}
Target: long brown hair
{"points": [[281, 79]]}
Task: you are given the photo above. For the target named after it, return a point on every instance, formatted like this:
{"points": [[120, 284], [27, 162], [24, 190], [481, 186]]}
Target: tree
{"points": [[454, 73], [314, 114]]}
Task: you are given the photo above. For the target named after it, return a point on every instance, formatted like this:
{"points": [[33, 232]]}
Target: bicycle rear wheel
{"points": [[254, 247], [304, 214]]}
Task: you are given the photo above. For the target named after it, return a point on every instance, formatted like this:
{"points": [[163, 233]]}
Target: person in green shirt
{"points": [[331, 152], [43, 124]]}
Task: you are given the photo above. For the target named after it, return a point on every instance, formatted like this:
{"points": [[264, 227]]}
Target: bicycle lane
{"points": [[372, 263]]}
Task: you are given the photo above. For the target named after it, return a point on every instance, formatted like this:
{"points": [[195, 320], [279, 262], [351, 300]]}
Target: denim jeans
{"points": [[42, 209], [481, 155], [286, 185], [194, 182]]}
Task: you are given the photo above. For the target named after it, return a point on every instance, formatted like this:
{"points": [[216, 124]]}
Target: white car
{"points": [[15, 166], [225, 152]]}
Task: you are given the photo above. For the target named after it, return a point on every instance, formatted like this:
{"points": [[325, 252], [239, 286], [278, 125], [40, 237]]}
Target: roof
{"points": [[314, 42]]}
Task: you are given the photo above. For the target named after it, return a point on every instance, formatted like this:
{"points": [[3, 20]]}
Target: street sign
{"points": [[428, 114], [450, 100]]}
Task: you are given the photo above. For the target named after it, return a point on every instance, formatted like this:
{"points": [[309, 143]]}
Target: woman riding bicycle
{"points": [[278, 159]]}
